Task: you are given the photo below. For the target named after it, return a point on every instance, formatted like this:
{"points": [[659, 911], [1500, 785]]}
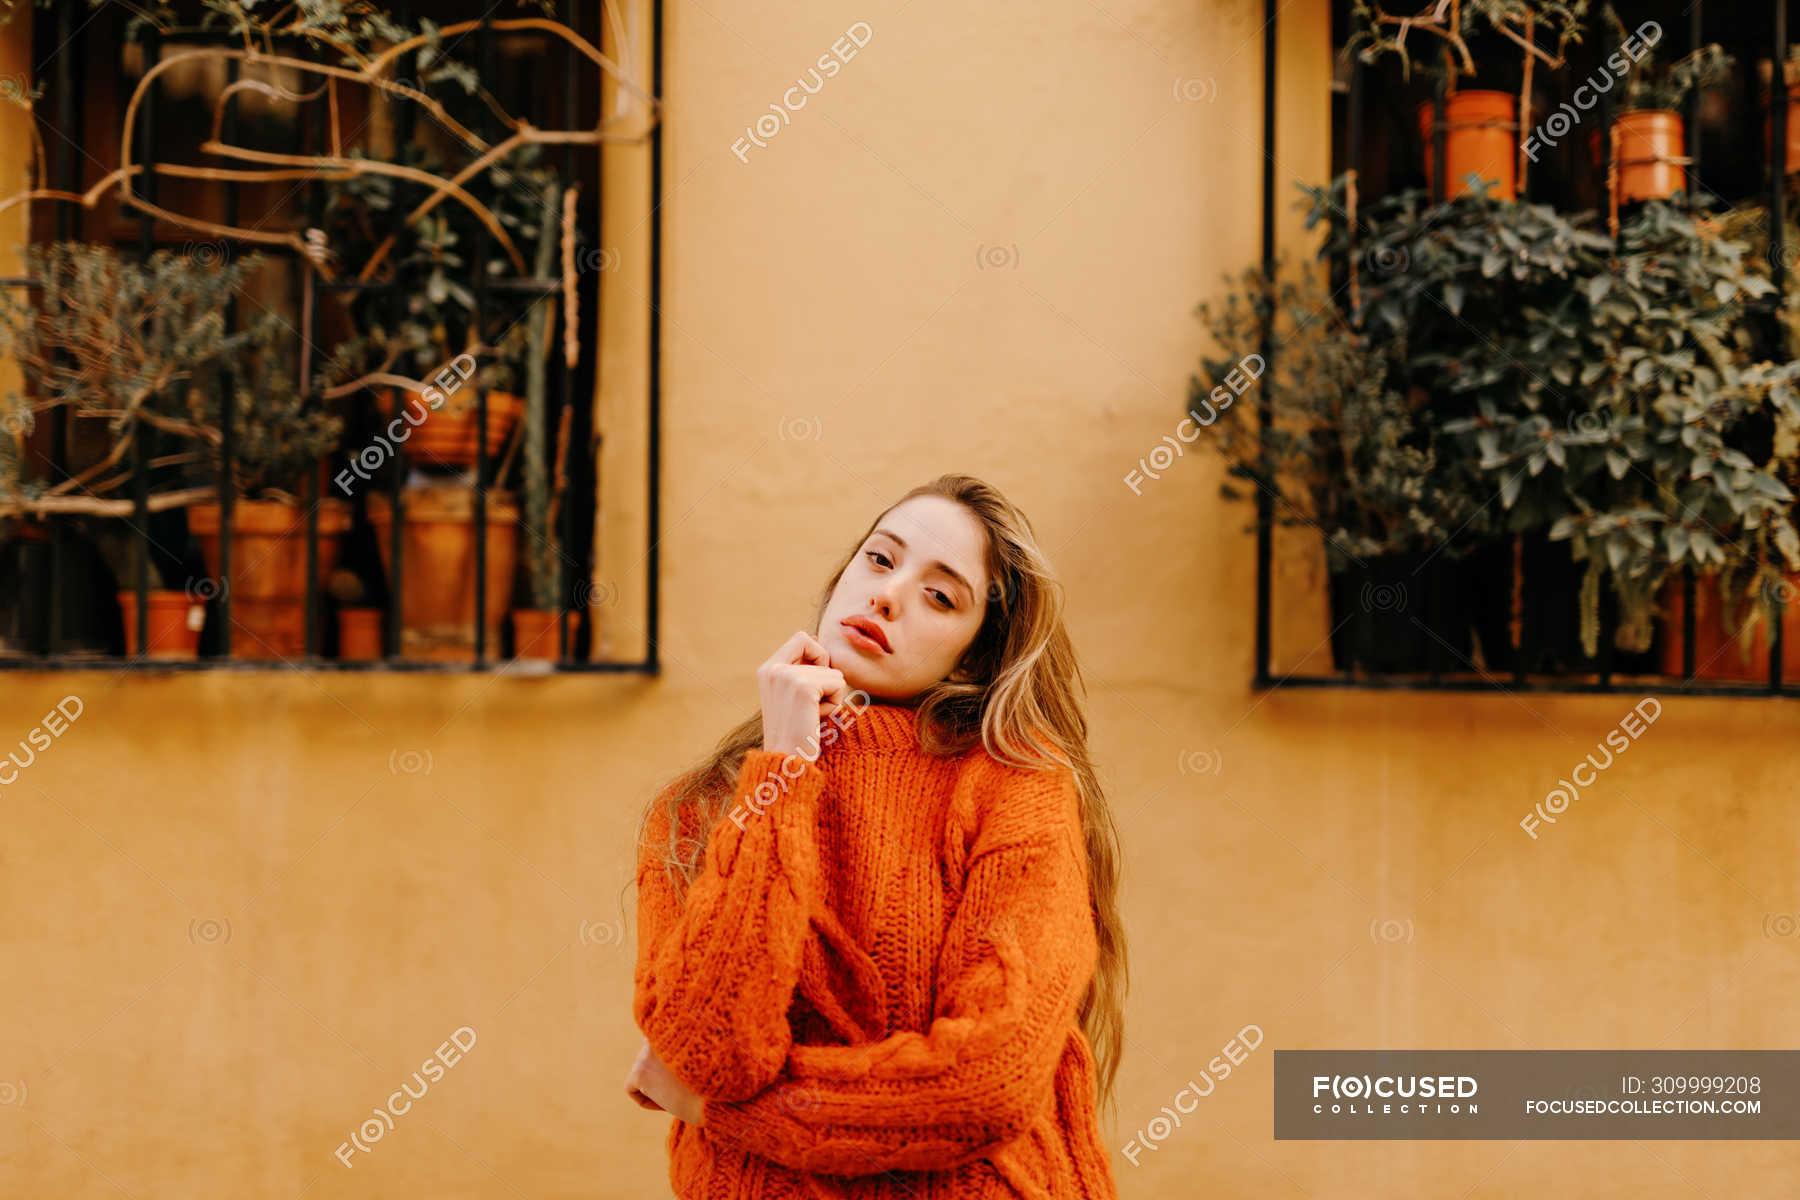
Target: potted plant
{"points": [[437, 601], [1481, 132], [359, 623], [1349, 451], [1634, 435], [279, 437], [535, 634], [175, 615], [1735, 604], [439, 540], [114, 342], [1649, 135], [427, 260], [1790, 73], [1476, 287]]}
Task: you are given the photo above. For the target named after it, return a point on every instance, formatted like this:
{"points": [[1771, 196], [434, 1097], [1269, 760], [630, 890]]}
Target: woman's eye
{"points": [[945, 600], [879, 555]]}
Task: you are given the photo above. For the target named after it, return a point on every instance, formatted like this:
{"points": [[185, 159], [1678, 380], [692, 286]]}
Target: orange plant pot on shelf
{"points": [[1650, 144], [445, 437], [1479, 138], [268, 569], [534, 633], [359, 634], [1793, 126], [1717, 654], [174, 623], [437, 610]]}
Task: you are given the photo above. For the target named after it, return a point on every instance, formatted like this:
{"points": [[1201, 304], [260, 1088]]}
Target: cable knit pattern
{"points": [[875, 977]]}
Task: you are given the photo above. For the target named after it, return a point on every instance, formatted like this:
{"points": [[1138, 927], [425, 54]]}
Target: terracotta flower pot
{"points": [[1793, 126], [1649, 140], [534, 633], [359, 634], [438, 566], [174, 624], [445, 436], [268, 568], [1480, 136], [1717, 654]]}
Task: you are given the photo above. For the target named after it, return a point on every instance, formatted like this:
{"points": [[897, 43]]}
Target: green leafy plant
{"points": [[542, 544], [1479, 292], [1635, 439], [1347, 449], [1749, 224], [278, 434], [432, 267], [113, 339], [1483, 368]]}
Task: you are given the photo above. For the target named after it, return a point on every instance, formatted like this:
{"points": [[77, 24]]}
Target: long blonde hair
{"points": [[1023, 677]]}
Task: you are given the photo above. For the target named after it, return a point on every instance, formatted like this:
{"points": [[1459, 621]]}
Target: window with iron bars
{"points": [[1506, 612], [352, 277]]}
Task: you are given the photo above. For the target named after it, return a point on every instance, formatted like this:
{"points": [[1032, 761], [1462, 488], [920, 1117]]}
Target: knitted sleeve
{"points": [[1018, 954], [715, 977]]}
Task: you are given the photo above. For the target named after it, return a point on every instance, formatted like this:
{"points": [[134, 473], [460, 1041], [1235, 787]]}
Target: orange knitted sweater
{"points": [[874, 980]]}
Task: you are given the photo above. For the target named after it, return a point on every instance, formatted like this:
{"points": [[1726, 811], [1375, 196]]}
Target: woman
{"points": [[877, 929]]}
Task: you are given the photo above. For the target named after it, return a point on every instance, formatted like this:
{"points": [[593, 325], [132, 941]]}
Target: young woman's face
{"points": [[919, 581]]}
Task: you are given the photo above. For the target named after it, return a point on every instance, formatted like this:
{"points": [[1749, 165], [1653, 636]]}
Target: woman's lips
{"points": [[863, 641]]}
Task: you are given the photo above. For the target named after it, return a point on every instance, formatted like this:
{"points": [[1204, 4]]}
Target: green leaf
{"points": [[1677, 536], [1509, 488]]}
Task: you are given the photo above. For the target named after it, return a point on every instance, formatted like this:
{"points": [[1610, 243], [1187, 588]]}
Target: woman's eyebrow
{"points": [[944, 566]]}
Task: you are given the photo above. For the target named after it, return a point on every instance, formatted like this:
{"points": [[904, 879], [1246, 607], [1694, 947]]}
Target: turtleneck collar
{"points": [[876, 726]]}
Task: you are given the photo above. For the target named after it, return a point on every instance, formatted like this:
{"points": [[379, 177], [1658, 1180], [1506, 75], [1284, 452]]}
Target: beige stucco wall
{"points": [[241, 908]]}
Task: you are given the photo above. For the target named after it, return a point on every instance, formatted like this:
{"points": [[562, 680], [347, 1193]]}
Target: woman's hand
{"points": [[799, 687], [651, 1086]]}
